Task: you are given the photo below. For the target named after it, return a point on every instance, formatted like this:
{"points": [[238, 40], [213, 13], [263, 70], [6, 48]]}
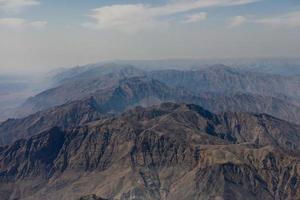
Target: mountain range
{"points": [[122, 132], [131, 92]]}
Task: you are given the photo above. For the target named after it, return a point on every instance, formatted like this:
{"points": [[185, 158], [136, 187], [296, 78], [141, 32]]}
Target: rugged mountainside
{"points": [[171, 151], [135, 91]]}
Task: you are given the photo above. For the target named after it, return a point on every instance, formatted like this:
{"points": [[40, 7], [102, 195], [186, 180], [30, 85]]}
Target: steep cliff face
{"points": [[171, 151]]}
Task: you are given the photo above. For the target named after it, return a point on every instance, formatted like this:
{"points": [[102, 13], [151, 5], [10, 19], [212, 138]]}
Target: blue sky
{"points": [[43, 34]]}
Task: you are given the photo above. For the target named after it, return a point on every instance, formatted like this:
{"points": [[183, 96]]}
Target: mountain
{"points": [[138, 91], [119, 97], [227, 80], [94, 71], [68, 115], [15, 89], [279, 66], [171, 151], [77, 86], [80, 83], [245, 102], [76, 83]]}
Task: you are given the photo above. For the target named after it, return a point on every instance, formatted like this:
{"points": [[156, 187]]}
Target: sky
{"points": [[39, 35]]}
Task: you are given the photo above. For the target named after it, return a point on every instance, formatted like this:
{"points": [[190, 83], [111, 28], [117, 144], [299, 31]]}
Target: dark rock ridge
{"points": [[171, 151]]}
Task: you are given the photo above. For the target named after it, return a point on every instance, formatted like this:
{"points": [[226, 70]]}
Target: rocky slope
{"points": [[171, 151]]}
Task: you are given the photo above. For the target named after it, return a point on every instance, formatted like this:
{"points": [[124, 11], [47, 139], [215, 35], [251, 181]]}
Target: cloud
{"points": [[124, 17], [18, 23], [237, 21], [288, 20], [16, 5], [141, 16], [195, 17]]}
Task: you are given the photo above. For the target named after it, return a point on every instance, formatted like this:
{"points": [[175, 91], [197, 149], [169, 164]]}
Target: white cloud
{"points": [[141, 16], [18, 23], [16, 5], [288, 20], [195, 17], [126, 17], [237, 21]]}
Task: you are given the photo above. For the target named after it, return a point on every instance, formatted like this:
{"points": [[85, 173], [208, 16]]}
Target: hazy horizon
{"points": [[28, 72]]}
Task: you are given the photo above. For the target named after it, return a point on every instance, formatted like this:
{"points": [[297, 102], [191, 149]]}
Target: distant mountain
{"points": [[227, 80], [14, 90], [94, 71], [245, 76], [286, 70], [243, 102], [279, 66], [171, 151], [216, 79], [77, 86], [138, 91]]}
